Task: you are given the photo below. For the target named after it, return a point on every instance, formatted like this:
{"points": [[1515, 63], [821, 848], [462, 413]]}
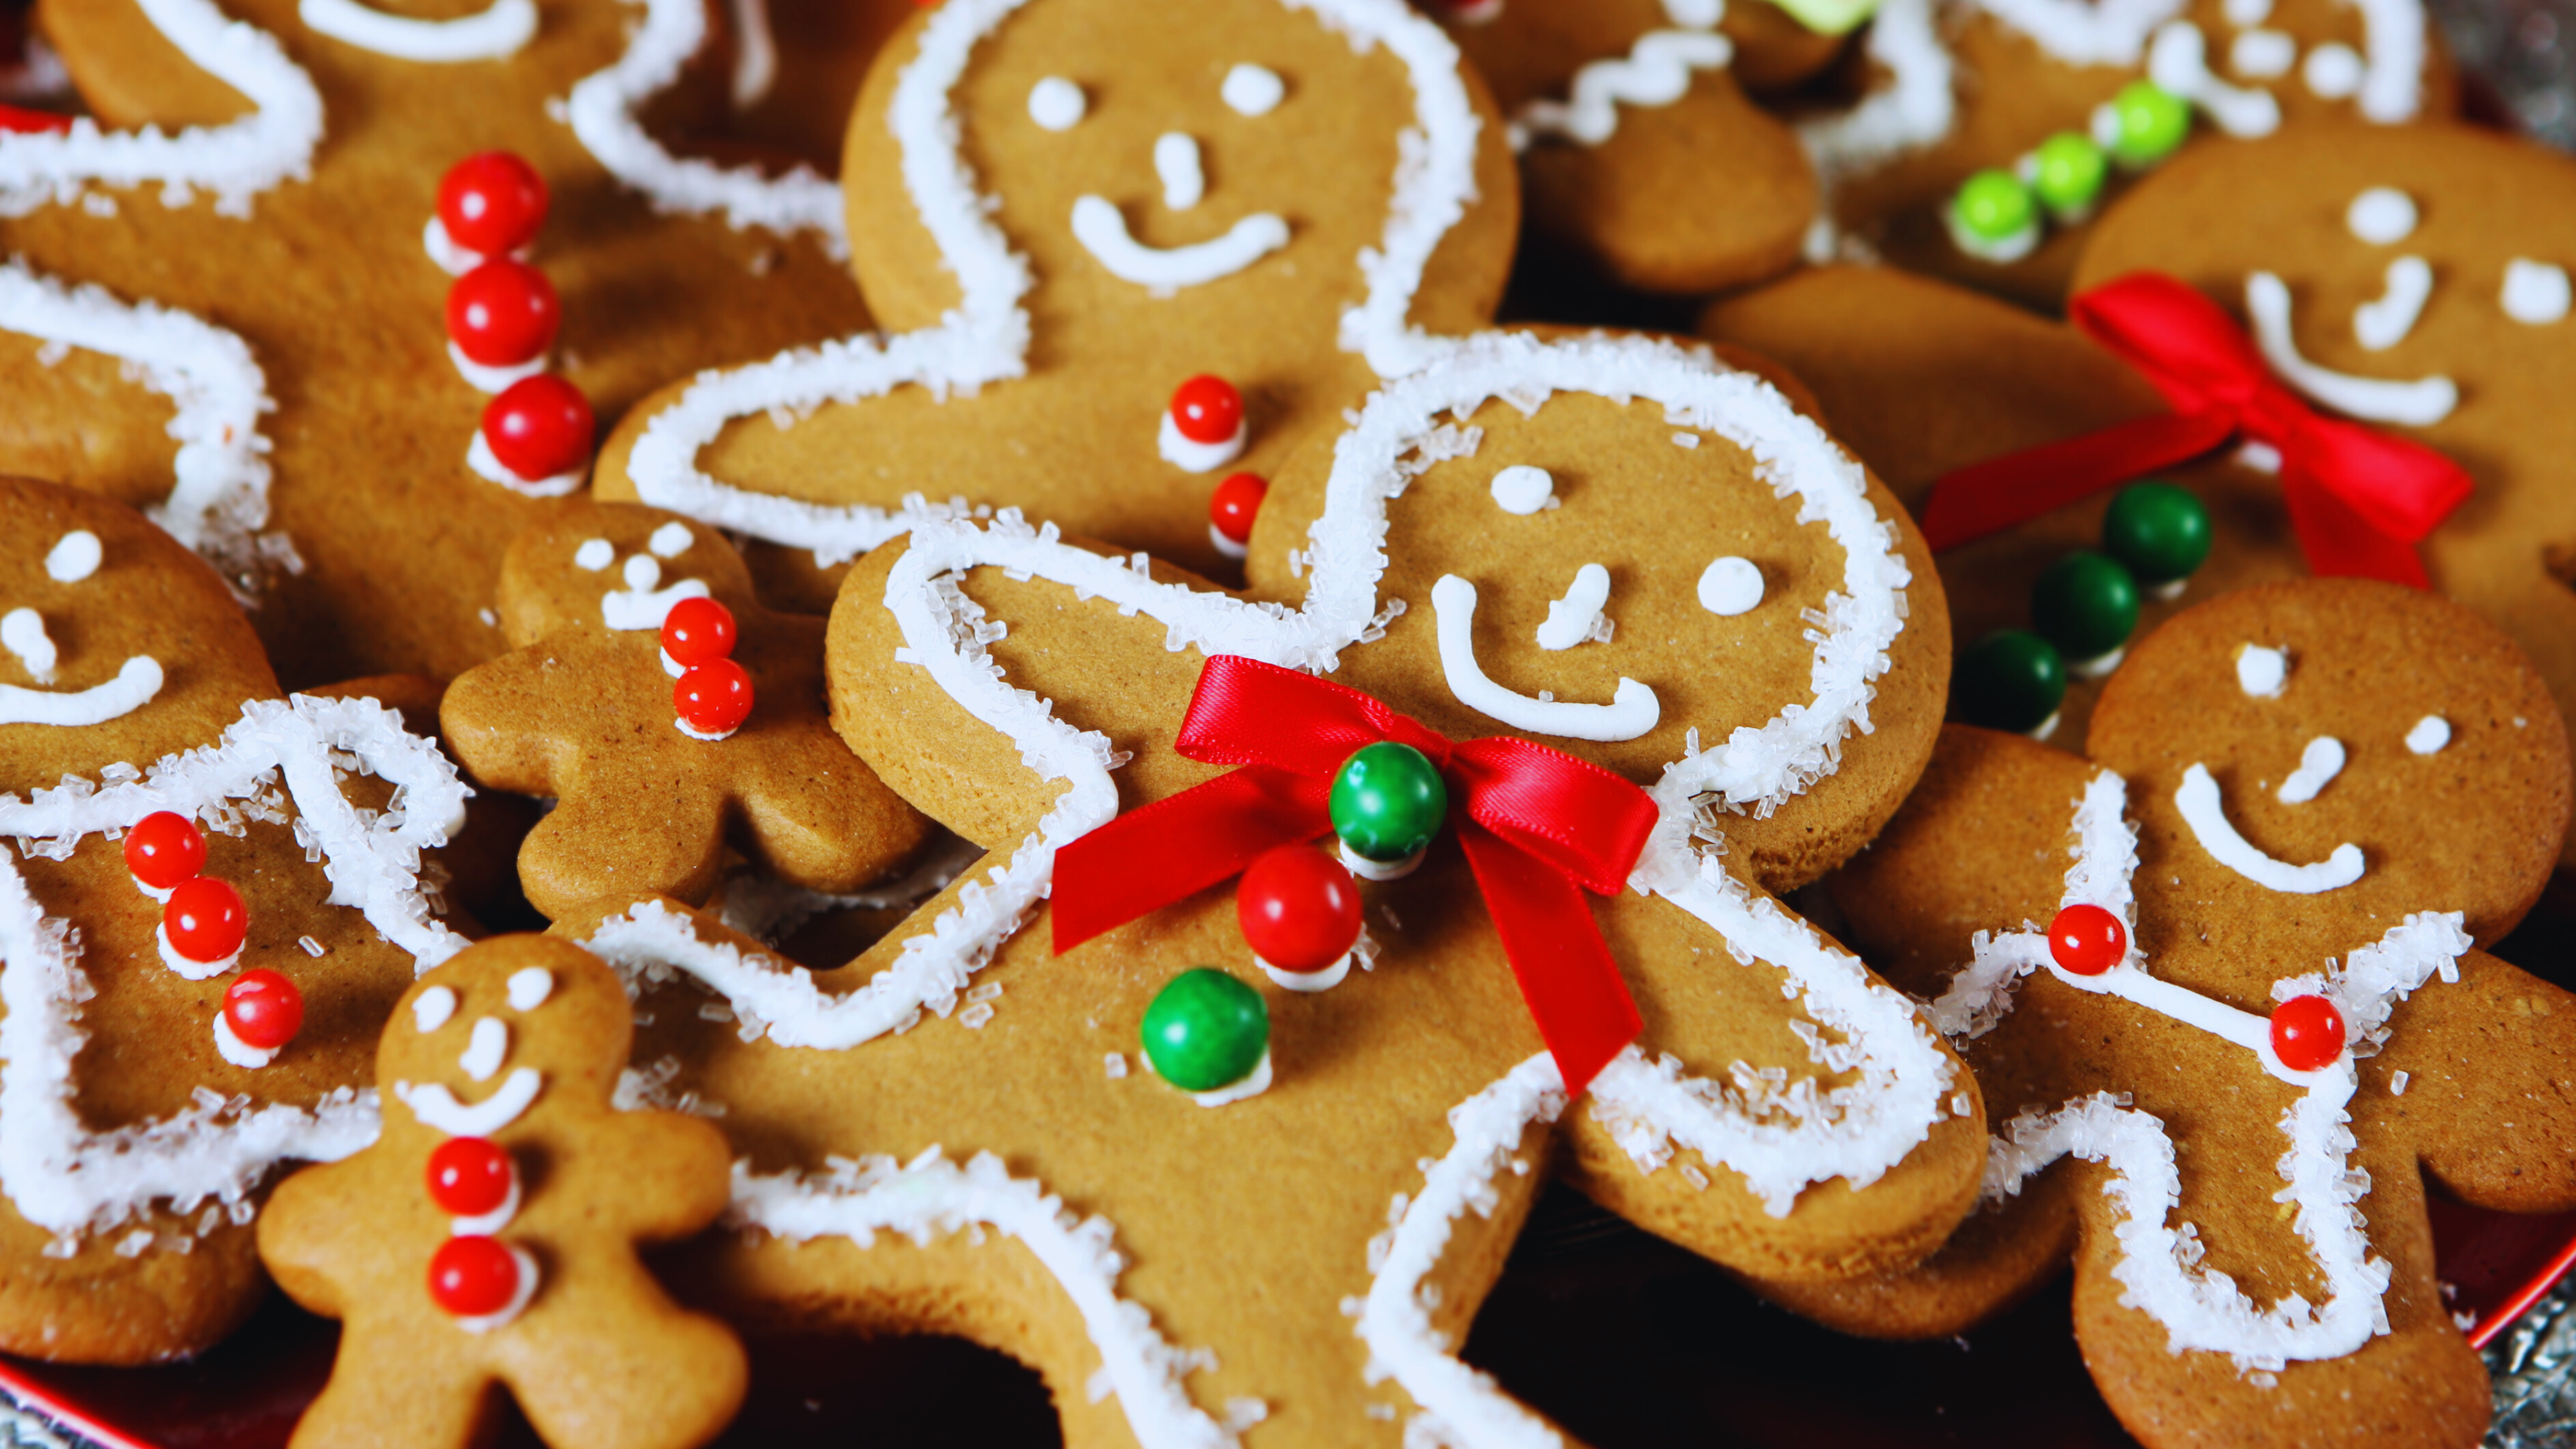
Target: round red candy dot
{"points": [[2307, 1033], [1299, 908], [503, 313], [27, 122], [264, 1009], [205, 919], [470, 1176], [714, 698], [1207, 409], [2087, 940], [1234, 504], [164, 849], [492, 202], [473, 1277], [539, 427], [697, 631]]}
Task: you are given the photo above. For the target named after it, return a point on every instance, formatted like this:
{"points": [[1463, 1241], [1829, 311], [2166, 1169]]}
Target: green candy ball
{"points": [[1388, 801], [1994, 206], [2086, 605], [1206, 1030], [2152, 122], [2011, 679], [2160, 531], [2067, 172]]}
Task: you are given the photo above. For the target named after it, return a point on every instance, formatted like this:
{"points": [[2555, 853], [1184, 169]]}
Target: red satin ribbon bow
{"points": [[1540, 827], [2359, 500]]}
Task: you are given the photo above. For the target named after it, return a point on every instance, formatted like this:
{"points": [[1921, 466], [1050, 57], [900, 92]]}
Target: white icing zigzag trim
{"points": [[59, 1174], [602, 111], [986, 339], [2086, 32], [1656, 71], [932, 1197], [1911, 112]]}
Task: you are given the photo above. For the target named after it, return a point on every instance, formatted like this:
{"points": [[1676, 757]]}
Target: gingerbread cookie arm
{"points": [[2484, 1064], [2001, 1253]]}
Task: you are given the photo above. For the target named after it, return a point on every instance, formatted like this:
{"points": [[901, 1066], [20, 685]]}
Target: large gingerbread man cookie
{"points": [[1748, 647], [214, 898], [2218, 983], [1122, 255]]}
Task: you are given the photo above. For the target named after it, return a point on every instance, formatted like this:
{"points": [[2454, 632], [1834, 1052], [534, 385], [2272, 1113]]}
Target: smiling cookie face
{"points": [[474, 1048]]}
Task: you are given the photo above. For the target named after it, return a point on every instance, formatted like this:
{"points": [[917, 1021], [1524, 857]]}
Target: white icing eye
{"points": [[1523, 489], [2242, 13], [2334, 71], [1730, 586], [2535, 293], [2381, 216], [1253, 90], [670, 540], [75, 556], [486, 1049], [22, 632], [431, 1009], [529, 988], [1056, 104], [2261, 672], [2262, 54], [2430, 734], [595, 554], [1176, 160], [2319, 763], [642, 573]]}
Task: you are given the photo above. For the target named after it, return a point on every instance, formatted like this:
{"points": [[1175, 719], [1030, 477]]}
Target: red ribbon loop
{"points": [[2358, 499], [1539, 828]]}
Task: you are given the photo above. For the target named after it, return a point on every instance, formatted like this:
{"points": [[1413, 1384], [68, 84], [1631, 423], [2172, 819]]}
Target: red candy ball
{"points": [[697, 631], [503, 313], [2087, 940], [2307, 1033], [538, 427], [28, 122], [715, 697], [492, 202], [1207, 409], [164, 849], [205, 919], [1299, 908], [264, 1009], [470, 1176], [1234, 504], [473, 1277]]}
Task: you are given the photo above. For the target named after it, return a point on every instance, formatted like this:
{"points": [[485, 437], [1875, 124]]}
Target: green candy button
{"points": [[2011, 679], [1387, 802], [2150, 123], [2160, 531], [2067, 172], [2086, 605], [1206, 1030], [1993, 206]]}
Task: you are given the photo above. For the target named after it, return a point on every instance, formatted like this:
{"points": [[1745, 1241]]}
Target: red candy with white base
{"points": [[503, 313], [474, 1277], [492, 202], [205, 920], [164, 849], [264, 1010], [1300, 914], [539, 428]]}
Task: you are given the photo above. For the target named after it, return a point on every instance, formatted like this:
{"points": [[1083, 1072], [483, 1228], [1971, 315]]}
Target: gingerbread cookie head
{"points": [[1129, 256], [488, 1237], [2255, 1015]]}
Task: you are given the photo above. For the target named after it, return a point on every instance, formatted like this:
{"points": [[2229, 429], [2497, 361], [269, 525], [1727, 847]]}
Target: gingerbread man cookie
{"points": [[1727, 628], [1124, 256], [2254, 1022], [488, 1237], [664, 711], [272, 269], [215, 897]]}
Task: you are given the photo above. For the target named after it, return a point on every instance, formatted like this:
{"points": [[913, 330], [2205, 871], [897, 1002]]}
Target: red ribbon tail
{"points": [[1179, 846], [2340, 543], [1970, 503], [1572, 987]]}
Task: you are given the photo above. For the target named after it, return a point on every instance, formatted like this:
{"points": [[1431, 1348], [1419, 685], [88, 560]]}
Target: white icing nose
{"points": [[22, 632], [486, 1049], [1176, 160]]}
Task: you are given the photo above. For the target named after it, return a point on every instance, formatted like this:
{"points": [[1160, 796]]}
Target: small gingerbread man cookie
{"points": [[489, 1235], [664, 710]]}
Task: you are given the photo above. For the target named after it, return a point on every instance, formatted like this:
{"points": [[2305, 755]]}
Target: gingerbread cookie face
{"points": [[1105, 206], [286, 320], [656, 762], [488, 1237], [2331, 771]]}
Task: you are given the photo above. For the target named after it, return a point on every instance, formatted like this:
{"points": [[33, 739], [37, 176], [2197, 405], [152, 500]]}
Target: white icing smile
{"points": [[2420, 403], [131, 689], [485, 35], [2206, 814], [1102, 230], [1633, 708], [437, 1107]]}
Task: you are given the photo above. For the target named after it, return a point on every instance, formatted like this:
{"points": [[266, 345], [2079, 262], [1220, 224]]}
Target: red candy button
{"points": [[264, 1010], [715, 697], [2307, 1033], [539, 427], [503, 313], [164, 849], [1207, 409], [1299, 908], [1232, 508], [205, 919], [2087, 940], [26, 122], [473, 1277], [492, 202], [470, 1176], [697, 631]]}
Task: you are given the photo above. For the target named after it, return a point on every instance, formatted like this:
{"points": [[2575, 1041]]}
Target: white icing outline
{"points": [[2420, 403], [1633, 709], [2205, 811], [492, 33], [58, 1173], [438, 1108]]}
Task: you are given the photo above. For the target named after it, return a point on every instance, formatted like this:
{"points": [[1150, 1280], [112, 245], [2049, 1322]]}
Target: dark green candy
{"points": [[2011, 679], [2160, 531], [1206, 1030], [2086, 605], [1387, 802]]}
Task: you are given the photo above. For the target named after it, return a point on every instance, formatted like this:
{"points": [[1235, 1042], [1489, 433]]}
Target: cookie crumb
{"points": [[1116, 1065]]}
